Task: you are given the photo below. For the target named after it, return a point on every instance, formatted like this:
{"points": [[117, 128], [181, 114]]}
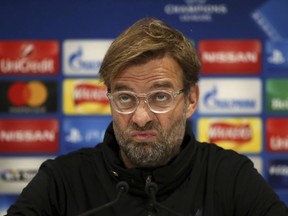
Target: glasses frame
{"points": [[174, 94]]}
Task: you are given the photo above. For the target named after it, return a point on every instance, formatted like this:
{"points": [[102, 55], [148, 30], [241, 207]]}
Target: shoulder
{"points": [[236, 184], [218, 155], [74, 161], [223, 164]]}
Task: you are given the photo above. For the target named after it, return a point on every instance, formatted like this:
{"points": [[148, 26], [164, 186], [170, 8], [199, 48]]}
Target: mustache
{"points": [[148, 126]]}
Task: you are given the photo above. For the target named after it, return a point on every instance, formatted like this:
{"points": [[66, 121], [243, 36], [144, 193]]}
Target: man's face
{"points": [[148, 139]]}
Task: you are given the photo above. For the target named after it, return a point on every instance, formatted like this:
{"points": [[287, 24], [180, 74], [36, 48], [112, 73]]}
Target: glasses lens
{"points": [[160, 101], [124, 101]]}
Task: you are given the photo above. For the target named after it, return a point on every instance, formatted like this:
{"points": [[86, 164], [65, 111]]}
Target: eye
{"points": [[125, 98], [160, 97]]}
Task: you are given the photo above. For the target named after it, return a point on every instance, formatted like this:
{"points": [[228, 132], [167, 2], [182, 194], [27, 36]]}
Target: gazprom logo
{"points": [[84, 57], [211, 101], [226, 96], [77, 62]]}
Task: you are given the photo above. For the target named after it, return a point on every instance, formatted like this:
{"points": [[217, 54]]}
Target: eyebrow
{"points": [[122, 87], [157, 85]]}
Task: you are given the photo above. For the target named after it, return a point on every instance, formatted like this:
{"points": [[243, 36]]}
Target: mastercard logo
{"points": [[32, 93]]}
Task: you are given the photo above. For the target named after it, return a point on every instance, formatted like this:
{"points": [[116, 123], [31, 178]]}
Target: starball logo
{"points": [[29, 57], [230, 56]]}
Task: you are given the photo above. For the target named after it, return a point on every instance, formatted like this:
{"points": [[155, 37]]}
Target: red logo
{"points": [[277, 135], [230, 132], [29, 136], [32, 93], [29, 57], [90, 93], [230, 56]]}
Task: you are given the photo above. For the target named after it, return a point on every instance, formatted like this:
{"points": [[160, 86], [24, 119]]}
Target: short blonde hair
{"points": [[148, 39]]}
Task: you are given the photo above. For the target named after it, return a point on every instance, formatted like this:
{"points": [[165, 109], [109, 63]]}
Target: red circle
{"points": [[18, 94]]}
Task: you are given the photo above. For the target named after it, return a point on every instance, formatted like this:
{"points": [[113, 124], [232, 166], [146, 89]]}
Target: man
{"points": [[151, 72]]}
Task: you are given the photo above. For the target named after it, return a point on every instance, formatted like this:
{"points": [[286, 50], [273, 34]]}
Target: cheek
{"points": [[166, 121], [121, 120]]}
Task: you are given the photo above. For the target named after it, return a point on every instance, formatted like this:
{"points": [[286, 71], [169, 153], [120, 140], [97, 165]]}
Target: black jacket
{"points": [[203, 180]]}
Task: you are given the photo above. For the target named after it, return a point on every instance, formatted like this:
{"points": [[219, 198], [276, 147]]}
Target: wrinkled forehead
{"points": [[154, 74]]}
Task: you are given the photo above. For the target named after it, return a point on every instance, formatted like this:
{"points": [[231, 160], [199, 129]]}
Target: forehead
{"points": [[157, 73]]}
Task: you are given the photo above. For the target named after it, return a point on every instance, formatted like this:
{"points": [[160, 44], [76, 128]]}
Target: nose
{"points": [[142, 114]]}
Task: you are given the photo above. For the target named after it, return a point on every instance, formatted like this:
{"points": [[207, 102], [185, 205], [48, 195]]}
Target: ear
{"points": [[192, 100]]}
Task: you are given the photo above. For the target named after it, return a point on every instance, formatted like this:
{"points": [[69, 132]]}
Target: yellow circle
{"points": [[38, 93]]}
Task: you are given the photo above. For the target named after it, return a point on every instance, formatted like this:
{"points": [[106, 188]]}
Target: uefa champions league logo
{"points": [[195, 1]]}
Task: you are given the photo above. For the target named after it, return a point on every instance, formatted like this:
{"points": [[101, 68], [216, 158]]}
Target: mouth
{"points": [[143, 135]]}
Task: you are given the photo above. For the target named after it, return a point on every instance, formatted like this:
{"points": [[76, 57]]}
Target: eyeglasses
{"points": [[159, 101]]}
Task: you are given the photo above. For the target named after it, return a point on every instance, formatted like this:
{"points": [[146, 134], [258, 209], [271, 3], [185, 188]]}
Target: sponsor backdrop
{"points": [[52, 101]]}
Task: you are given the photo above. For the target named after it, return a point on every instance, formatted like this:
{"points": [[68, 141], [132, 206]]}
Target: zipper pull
{"points": [[148, 179]]}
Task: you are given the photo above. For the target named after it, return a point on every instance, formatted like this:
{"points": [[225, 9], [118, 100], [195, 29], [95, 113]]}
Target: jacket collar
{"points": [[168, 177]]}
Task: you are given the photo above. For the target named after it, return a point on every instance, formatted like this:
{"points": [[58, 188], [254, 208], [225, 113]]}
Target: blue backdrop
{"points": [[82, 20]]}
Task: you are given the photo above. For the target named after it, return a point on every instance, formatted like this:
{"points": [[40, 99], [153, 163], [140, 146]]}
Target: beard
{"points": [[151, 154]]}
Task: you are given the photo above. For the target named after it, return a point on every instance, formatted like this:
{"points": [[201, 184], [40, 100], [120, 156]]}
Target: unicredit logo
{"points": [[230, 132], [278, 143], [25, 66], [277, 134], [90, 93], [32, 93], [29, 57], [230, 56]]}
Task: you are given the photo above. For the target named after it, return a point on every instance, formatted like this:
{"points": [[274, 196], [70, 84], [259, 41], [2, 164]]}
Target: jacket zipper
{"points": [[148, 179]]}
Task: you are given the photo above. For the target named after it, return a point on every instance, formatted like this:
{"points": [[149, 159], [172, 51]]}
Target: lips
{"points": [[143, 135]]}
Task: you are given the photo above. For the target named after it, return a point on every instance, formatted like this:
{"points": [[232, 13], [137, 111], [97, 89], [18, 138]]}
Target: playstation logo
{"points": [[277, 57], [74, 136]]}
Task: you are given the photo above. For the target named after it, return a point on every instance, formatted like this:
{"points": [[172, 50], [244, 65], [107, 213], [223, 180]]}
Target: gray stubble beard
{"points": [[151, 154]]}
